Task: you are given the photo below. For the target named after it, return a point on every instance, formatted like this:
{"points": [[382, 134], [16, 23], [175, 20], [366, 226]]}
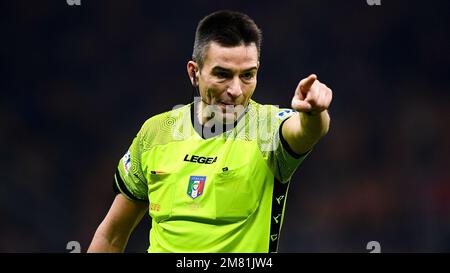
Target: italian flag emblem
{"points": [[196, 186]]}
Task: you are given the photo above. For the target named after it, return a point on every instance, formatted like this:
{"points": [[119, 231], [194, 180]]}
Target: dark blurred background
{"points": [[77, 82]]}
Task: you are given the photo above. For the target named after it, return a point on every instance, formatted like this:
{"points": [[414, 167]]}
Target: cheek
{"points": [[215, 90], [248, 91], [211, 93]]}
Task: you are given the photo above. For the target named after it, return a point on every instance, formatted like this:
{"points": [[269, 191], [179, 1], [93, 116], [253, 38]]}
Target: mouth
{"points": [[227, 107], [226, 103]]}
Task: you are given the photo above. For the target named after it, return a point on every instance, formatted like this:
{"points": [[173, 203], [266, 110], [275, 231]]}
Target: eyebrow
{"points": [[219, 68]]}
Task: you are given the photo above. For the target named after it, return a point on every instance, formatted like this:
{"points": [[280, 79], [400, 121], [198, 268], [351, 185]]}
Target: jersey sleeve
{"points": [[280, 158], [129, 178]]}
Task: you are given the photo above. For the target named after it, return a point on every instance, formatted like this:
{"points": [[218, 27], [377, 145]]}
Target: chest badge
{"points": [[196, 186]]}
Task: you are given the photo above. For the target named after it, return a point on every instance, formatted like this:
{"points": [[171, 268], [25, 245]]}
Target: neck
{"points": [[202, 117]]}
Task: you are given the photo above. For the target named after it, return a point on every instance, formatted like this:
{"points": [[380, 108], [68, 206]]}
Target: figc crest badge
{"points": [[196, 186]]}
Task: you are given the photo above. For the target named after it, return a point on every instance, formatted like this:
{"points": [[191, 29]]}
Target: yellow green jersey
{"points": [[223, 193]]}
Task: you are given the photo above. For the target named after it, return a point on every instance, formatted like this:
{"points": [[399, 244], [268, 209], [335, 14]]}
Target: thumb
{"points": [[301, 105]]}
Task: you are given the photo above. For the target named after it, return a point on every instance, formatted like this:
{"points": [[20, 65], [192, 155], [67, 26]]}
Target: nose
{"points": [[234, 89]]}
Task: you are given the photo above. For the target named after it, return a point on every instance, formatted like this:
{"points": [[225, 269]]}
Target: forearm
{"points": [[106, 242], [302, 131], [113, 233], [314, 126]]}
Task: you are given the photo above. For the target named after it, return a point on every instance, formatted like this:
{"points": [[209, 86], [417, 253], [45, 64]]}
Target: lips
{"points": [[226, 103]]}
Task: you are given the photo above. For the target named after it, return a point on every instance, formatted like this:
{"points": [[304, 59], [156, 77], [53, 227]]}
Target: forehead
{"points": [[234, 58]]}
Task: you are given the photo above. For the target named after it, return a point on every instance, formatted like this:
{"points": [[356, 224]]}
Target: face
{"points": [[227, 79]]}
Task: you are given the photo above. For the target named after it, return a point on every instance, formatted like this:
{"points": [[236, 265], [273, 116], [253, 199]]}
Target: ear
{"points": [[192, 70]]}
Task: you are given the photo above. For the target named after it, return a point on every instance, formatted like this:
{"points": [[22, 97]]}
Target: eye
{"points": [[222, 75], [247, 76]]}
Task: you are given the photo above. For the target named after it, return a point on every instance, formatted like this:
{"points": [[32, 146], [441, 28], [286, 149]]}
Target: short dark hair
{"points": [[227, 28]]}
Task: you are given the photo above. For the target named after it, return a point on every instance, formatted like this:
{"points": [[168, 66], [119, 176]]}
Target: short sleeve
{"points": [[129, 179], [280, 158]]}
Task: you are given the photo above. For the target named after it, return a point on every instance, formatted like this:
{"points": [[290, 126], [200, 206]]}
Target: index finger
{"points": [[306, 84]]}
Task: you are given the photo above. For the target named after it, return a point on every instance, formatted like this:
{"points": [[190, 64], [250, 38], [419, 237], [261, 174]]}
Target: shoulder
{"points": [[164, 120], [161, 126]]}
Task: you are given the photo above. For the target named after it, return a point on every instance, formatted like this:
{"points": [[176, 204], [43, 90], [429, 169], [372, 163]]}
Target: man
{"points": [[214, 174]]}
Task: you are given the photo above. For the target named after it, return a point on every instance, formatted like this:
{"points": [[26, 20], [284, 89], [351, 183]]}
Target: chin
{"points": [[228, 118], [224, 118], [226, 114]]}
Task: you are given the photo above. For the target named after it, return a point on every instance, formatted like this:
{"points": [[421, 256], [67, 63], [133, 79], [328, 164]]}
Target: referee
{"points": [[214, 174]]}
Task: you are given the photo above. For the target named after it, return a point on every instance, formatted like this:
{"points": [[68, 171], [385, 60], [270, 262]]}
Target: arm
{"points": [[304, 129], [113, 233]]}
